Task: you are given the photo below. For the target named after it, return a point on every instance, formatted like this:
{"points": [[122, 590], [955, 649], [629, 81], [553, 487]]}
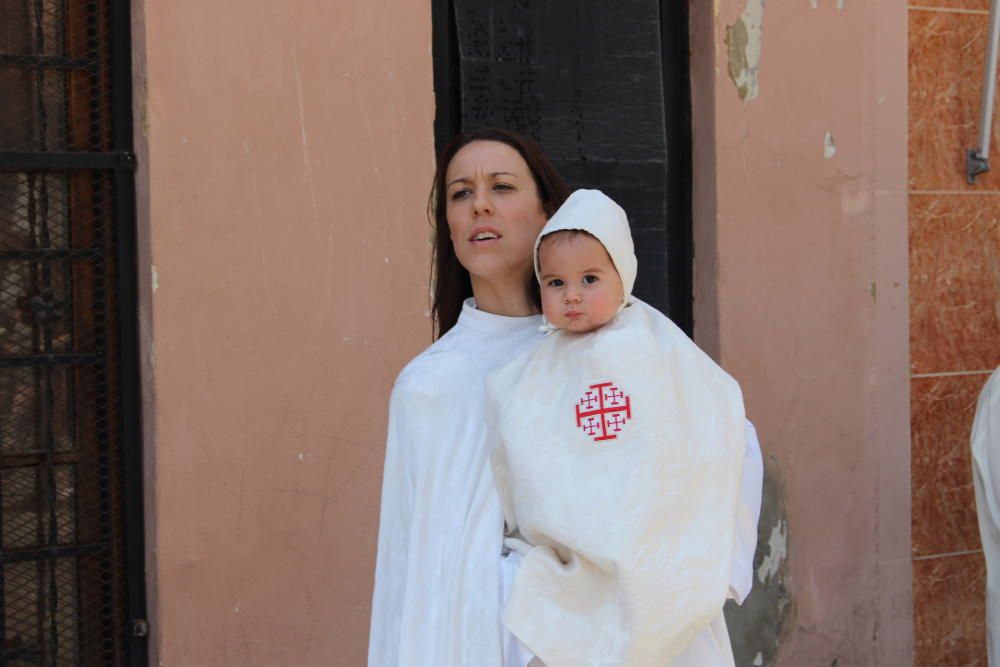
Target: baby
{"points": [[617, 449], [582, 287]]}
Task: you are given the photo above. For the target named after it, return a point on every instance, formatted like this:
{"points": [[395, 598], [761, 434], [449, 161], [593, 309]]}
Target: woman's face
{"points": [[493, 209]]}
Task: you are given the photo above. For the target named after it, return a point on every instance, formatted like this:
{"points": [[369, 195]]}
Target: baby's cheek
{"points": [[549, 308]]}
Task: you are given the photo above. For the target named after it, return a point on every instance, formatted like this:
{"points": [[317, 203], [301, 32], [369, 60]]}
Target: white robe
{"points": [[986, 480], [438, 591], [618, 456]]}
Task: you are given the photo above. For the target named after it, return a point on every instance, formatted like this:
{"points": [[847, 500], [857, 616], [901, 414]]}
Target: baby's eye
{"points": [[555, 282], [590, 278]]}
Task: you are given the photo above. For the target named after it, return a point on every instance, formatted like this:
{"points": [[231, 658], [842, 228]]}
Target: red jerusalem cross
{"points": [[603, 411]]}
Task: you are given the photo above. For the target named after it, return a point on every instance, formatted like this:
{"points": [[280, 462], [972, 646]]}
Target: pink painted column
{"points": [[285, 153], [801, 293]]}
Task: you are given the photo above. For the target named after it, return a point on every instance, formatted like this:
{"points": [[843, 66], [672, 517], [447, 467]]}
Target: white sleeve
{"points": [[391, 565], [985, 457], [515, 653], [747, 516]]}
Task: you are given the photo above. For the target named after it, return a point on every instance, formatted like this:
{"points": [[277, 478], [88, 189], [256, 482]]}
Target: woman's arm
{"points": [[747, 515]]}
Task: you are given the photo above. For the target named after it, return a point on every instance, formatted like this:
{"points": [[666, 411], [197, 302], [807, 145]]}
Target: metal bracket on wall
{"points": [[977, 160]]}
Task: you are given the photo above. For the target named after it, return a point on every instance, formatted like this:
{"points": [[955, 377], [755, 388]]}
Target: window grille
{"points": [[70, 506]]}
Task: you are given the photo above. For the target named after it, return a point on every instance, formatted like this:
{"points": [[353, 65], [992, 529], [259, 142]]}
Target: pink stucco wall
{"points": [[285, 152], [801, 292]]}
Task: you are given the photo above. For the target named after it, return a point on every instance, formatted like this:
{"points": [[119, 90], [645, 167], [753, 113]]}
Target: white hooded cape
{"points": [[618, 457], [986, 480]]}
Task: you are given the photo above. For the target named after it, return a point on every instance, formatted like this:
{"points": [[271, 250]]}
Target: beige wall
{"points": [[801, 292], [285, 151]]}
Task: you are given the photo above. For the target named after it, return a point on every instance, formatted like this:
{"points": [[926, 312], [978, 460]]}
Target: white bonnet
{"points": [[594, 212]]}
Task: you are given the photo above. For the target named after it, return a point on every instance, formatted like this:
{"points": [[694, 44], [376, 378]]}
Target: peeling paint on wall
{"points": [[777, 551], [743, 40], [760, 624]]}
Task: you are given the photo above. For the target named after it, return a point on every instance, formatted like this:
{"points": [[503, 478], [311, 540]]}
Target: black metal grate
{"points": [[68, 439], [54, 60]]}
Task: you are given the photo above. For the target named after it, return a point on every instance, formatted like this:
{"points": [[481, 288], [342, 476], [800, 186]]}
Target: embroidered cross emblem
{"points": [[603, 411], [589, 400], [616, 422], [613, 395]]}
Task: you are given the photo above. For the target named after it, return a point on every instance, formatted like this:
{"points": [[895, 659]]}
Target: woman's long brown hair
{"points": [[450, 280]]}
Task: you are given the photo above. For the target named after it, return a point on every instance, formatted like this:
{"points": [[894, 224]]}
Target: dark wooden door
{"points": [[604, 88]]}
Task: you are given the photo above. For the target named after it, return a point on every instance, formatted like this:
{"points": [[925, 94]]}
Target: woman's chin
{"points": [[494, 268]]}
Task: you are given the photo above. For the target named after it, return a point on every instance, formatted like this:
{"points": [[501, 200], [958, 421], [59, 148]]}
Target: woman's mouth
{"points": [[484, 236]]}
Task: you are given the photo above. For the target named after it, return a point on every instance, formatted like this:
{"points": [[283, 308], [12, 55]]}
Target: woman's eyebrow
{"points": [[466, 179]]}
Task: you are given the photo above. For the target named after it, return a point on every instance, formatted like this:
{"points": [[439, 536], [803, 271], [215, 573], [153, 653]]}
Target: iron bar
{"points": [[65, 161], [56, 551], [33, 457], [52, 359], [46, 62], [127, 304], [51, 254]]}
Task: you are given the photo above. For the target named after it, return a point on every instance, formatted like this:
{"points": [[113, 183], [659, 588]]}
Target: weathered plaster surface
{"points": [[800, 292], [744, 39], [285, 151], [762, 622]]}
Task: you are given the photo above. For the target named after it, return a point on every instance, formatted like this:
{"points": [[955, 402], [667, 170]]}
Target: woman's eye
{"points": [[555, 282], [589, 279], [503, 186], [459, 194]]}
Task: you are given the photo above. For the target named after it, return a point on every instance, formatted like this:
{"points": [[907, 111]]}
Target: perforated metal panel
{"points": [[70, 512], [603, 87]]}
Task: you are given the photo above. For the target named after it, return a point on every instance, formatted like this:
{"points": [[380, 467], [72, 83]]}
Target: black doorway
{"points": [[604, 88]]}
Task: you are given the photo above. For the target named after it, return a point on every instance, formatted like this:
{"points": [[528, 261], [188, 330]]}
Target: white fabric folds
{"points": [[618, 457], [986, 480], [437, 591]]}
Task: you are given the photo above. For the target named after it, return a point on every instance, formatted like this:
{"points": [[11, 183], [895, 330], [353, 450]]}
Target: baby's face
{"points": [[581, 289]]}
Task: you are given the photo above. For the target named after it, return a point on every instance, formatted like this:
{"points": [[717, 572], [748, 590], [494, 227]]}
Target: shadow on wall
{"points": [[760, 624]]}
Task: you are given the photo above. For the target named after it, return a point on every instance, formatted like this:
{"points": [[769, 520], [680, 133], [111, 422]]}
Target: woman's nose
{"points": [[481, 204]]}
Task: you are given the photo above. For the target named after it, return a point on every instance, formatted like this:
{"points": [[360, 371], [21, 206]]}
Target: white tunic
{"points": [[986, 480], [618, 456], [438, 591]]}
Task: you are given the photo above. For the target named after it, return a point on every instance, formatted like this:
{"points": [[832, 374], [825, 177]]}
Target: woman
{"points": [[441, 577]]}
